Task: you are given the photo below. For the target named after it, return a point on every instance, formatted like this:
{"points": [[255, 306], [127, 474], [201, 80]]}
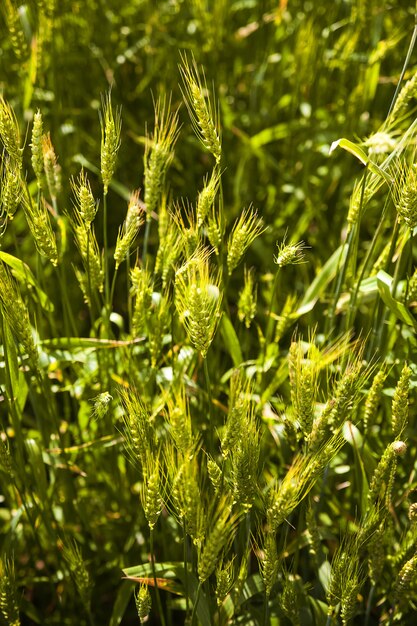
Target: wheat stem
{"points": [[145, 240], [158, 597], [197, 598]]}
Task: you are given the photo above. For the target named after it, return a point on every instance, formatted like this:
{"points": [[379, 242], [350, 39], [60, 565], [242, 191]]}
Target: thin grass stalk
{"points": [[157, 594]]}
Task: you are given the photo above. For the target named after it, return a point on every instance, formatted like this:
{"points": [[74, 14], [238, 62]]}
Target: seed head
{"points": [[198, 300], [51, 167], [36, 147], [203, 114], [246, 229], [10, 133], [143, 602], [290, 254], [111, 125], [85, 202]]}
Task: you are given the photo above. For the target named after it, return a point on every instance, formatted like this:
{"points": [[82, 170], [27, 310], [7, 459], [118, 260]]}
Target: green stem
{"points": [[157, 594], [197, 598], [187, 599], [269, 323], [145, 240], [369, 605], [113, 285], [266, 610], [210, 403]]}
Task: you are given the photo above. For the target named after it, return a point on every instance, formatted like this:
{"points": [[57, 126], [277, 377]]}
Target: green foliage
{"points": [[162, 416]]}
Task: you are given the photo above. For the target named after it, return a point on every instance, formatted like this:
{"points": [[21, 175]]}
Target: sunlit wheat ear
{"points": [[159, 152], [179, 418], [399, 412], [198, 300], [188, 501], [303, 371], [345, 581], [85, 202], [405, 580], [216, 227], [139, 431], [11, 190], [51, 167], [382, 477], [405, 193], [203, 113], [142, 288], [289, 254], [215, 474], [9, 606], [268, 561], [9, 132], [39, 222], [207, 196], [220, 531], [16, 314], [157, 324], [150, 493], [286, 495], [373, 397], [36, 147], [143, 603], [225, 576], [72, 555], [241, 391], [169, 251], [244, 461], [90, 254], [130, 229], [246, 306], [188, 232], [344, 400], [405, 96], [245, 230], [111, 126]]}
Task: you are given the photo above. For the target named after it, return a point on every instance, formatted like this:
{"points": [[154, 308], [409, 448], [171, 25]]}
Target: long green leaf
{"points": [[361, 155], [384, 282], [231, 340], [172, 571]]}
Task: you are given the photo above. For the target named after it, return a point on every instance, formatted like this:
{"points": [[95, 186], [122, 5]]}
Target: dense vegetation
{"points": [[208, 290]]}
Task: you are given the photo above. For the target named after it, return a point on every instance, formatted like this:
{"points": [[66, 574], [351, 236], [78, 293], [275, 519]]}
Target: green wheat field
{"points": [[208, 312]]}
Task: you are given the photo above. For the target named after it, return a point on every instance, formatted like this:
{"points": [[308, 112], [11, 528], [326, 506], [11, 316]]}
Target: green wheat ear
{"points": [[111, 126], [9, 607], [159, 152], [204, 115], [9, 132], [245, 230], [130, 229], [143, 602], [198, 300]]}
